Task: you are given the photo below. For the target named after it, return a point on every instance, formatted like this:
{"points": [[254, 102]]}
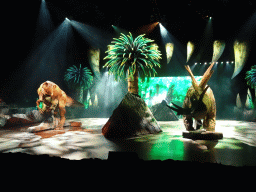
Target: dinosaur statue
{"points": [[52, 98], [199, 103]]}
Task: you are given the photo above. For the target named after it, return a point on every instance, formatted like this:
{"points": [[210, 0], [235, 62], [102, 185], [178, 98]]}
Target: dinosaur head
{"points": [[48, 88], [198, 108]]}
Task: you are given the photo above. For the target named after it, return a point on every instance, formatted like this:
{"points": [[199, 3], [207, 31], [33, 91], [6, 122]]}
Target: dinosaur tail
{"points": [[73, 103]]}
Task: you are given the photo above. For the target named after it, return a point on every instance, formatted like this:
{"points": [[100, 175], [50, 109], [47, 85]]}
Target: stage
{"points": [[237, 148]]}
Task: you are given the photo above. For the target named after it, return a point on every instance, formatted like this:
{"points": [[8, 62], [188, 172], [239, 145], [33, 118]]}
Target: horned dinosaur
{"points": [[199, 103]]}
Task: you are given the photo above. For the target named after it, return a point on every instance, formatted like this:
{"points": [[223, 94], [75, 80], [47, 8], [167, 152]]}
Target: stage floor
{"points": [[237, 148]]}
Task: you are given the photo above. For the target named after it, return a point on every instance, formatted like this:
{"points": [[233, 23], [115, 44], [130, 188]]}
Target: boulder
{"points": [[163, 113], [4, 109], [131, 118], [30, 117]]}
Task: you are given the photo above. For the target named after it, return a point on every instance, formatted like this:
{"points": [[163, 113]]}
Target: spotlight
{"points": [[232, 61], [163, 31], [221, 62], [195, 63], [210, 17], [227, 62], [67, 19], [216, 62]]}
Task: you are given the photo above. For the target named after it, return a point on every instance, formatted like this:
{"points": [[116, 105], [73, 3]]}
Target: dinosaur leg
{"points": [[209, 123], [198, 124], [55, 119], [62, 111], [188, 122]]}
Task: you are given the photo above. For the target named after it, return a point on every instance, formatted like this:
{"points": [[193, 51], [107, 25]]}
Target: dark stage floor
{"points": [[237, 148]]}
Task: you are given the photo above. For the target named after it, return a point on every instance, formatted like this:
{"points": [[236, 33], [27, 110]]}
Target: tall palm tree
{"points": [[132, 55], [78, 78]]}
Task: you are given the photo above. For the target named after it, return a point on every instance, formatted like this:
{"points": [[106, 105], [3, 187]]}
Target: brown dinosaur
{"points": [[54, 99], [199, 103]]}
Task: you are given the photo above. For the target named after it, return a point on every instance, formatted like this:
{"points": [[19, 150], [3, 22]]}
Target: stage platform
{"points": [[237, 148]]}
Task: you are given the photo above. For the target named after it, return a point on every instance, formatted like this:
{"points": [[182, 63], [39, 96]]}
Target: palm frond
{"points": [[251, 77], [77, 77], [127, 53]]}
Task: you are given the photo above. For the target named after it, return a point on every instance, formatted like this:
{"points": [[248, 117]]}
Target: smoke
{"points": [[110, 93], [224, 97]]}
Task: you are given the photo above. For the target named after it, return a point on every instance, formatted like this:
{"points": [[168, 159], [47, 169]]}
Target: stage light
{"points": [[44, 22], [216, 62], [227, 62], [163, 31], [67, 19], [205, 63], [146, 29], [195, 63], [221, 62], [91, 34]]}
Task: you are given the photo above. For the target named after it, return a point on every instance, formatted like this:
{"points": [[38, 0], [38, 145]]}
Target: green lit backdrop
{"points": [[173, 89]]}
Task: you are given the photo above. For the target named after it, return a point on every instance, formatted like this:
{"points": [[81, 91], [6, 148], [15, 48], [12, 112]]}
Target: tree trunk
{"points": [[79, 94], [133, 83]]}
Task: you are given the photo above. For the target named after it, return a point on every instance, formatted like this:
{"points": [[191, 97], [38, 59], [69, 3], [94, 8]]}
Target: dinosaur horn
{"points": [[202, 95], [206, 77], [178, 107], [194, 82]]}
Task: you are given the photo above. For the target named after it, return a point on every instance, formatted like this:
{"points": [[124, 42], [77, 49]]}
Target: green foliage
{"points": [[126, 53], [251, 77], [77, 77]]}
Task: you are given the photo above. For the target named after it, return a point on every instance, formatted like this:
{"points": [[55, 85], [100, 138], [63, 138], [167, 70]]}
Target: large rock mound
{"points": [[131, 118]]}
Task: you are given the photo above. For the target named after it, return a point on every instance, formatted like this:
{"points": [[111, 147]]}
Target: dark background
{"points": [[23, 34]]}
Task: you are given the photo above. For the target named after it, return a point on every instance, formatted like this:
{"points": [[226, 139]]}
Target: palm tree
{"points": [[251, 80], [251, 77], [132, 55], [79, 78]]}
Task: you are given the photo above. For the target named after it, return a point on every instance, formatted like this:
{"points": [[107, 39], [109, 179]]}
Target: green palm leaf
{"points": [[128, 53], [78, 77]]}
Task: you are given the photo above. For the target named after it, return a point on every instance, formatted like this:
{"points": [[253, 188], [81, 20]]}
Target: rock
{"points": [[18, 119], [3, 121], [163, 113], [131, 118], [4, 109], [35, 115], [75, 124], [202, 135]]}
